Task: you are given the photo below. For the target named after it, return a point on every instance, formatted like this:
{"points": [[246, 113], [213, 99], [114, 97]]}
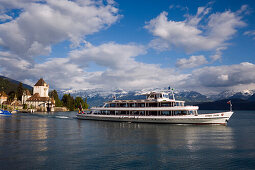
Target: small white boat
{"points": [[156, 108]]}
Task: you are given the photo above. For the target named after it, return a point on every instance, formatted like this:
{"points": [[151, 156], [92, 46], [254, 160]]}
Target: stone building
{"points": [[26, 95], [40, 99], [3, 97], [16, 104]]}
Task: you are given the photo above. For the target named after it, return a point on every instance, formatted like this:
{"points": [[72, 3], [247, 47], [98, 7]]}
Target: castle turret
{"points": [[42, 88]]}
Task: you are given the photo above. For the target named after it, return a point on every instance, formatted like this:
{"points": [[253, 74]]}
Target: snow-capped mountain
{"points": [[230, 94], [97, 97]]}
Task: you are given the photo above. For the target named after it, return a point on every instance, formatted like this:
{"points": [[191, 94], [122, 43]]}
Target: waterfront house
{"points": [[16, 104], [26, 95], [40, 99], [3, 97]]}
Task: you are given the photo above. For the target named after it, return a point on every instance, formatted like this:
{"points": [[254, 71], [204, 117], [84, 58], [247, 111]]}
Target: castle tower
{"points": [[26, 95], [42, 88]]}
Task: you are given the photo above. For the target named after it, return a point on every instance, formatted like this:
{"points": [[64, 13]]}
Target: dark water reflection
{"points": [[59, 141]]}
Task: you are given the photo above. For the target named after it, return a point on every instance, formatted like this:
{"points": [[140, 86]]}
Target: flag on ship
{"points": [[229, 102]]}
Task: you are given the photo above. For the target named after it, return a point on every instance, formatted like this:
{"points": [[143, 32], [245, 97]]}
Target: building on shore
{"points": [[3, 97], [40, 99], [16, 104], [26, 95]]}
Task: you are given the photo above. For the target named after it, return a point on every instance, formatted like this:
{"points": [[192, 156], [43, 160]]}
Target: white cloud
{"points": [[191, 35], [41, 25], [193, 61], [5, 17], [111, 55], [223, 77], [14, 4], [250, 33], [122, 70], [218, 54]]}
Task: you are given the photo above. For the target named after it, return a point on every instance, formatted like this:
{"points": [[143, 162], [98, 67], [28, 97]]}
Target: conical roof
{"points": [[40, 82]]}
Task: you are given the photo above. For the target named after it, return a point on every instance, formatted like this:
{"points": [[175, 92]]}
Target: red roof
{"points": [[40, 82], [36, 97]]}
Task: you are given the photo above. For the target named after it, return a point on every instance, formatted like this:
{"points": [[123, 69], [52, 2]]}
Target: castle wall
{"points": [[24, 98], [42, 90], [3, 99]]}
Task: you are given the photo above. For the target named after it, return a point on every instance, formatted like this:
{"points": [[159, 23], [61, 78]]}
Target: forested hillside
{"points": [[10, 87]]}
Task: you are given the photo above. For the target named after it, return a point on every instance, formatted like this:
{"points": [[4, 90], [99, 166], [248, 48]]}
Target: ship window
{"points": [[165, 113], [112, 105], [165, 104], [165, 96], [192, 112]]}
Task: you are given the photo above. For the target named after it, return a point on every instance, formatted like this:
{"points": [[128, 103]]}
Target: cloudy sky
{"points": [[207, 46]]}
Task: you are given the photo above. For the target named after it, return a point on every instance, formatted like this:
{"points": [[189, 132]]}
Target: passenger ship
{"points": [[158, 107]]}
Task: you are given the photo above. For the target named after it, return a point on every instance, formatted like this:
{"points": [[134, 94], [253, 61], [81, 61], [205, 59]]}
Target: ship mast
{"points": [[172, 91]]}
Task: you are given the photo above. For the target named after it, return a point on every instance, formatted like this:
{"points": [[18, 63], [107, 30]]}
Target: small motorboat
{"points": [[5, 113]]}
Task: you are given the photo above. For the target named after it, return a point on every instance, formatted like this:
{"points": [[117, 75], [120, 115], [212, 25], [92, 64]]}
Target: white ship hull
{"points": [[213, 118]]}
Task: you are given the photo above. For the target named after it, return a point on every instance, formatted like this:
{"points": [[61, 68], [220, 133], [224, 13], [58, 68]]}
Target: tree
{"points": [[54, 94], [24, 106], [20, 91], [11, 96], [68, 101], [78, 101], [86, 105]]}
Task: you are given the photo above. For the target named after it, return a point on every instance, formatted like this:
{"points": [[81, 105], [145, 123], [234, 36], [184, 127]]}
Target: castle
{"points": [[40, 99]]}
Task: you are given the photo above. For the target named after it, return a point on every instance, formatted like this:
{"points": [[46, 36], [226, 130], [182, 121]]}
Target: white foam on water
{"points": [[62, 117]]}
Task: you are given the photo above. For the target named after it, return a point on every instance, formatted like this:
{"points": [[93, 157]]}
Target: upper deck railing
{"points": [[175, 108]]}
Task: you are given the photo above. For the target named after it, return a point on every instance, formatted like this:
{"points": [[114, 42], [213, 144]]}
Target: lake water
{"points": [[59, 141]]}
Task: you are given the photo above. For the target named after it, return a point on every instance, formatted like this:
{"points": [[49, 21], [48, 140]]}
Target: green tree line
{"points": [[68, 101]]}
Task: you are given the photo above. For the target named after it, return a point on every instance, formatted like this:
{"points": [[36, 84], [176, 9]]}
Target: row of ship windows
{"points": [[143, 105], [147, 113]]}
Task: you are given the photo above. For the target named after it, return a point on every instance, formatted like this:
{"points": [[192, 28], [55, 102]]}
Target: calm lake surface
{"points": [[59, 141]]}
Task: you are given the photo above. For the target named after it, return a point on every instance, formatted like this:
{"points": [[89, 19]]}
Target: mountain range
{"points": [[96, 97]]}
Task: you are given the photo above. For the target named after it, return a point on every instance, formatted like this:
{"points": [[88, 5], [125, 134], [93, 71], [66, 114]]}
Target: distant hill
{"points": [[238, 104], [252, 98], [191, 96], [8, 85]]}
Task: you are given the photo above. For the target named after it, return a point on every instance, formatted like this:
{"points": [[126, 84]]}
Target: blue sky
{"points": [[196, 45]]}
